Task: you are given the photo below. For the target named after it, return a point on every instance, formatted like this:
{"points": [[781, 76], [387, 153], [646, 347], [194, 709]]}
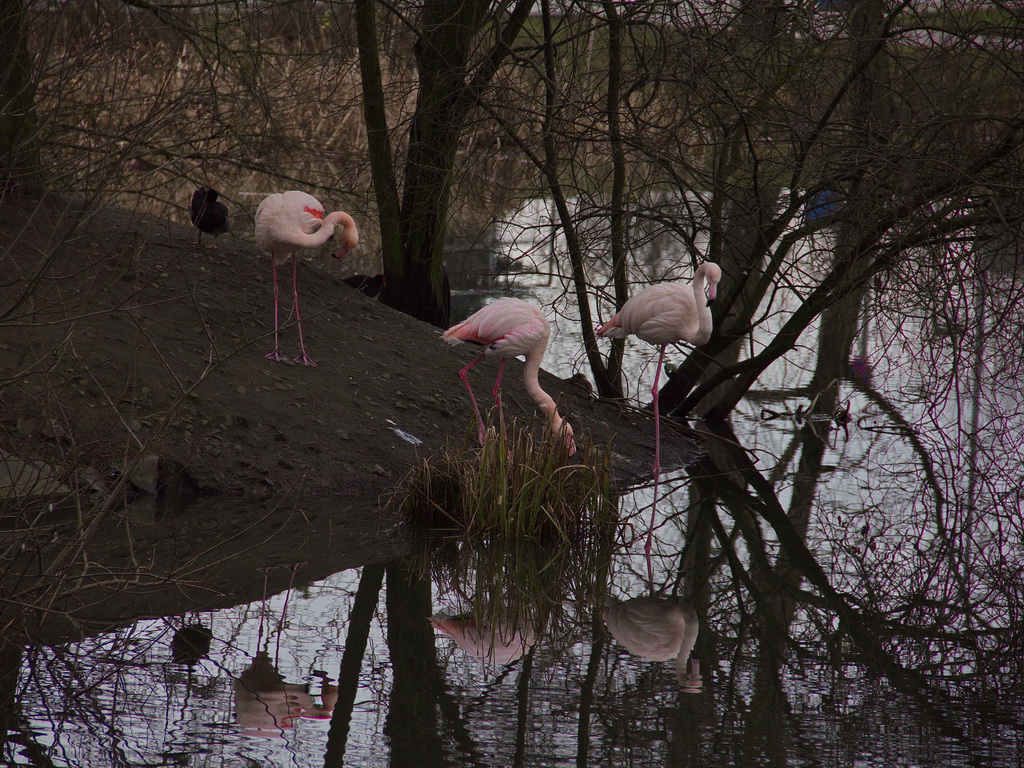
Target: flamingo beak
{"points": [[341, 253], [712, 292]]}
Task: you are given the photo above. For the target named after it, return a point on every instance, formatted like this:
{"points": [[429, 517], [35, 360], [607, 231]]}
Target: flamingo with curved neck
{"points": [[287, 222], [664, 314], [657, 629], [509, 328]]}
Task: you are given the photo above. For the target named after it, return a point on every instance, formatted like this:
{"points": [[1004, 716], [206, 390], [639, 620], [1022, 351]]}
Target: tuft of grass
{"points": [[512, 487]]}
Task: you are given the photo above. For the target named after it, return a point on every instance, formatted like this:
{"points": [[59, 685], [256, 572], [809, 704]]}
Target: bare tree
{"points": [[772, 112], [19, 147], [454, 65]]}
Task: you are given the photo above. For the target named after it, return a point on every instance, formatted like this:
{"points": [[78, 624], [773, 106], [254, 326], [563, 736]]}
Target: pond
{"points": [[827, 592]]}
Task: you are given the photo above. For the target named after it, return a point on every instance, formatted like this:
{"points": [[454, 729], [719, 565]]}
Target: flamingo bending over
{"points": [[286, 222], [663, 314], [657, 629], [208, 214], [500, 643], [508, 328]]}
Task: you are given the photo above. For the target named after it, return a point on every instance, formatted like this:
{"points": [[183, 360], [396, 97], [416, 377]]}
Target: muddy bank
{"points": [[121, 338]]}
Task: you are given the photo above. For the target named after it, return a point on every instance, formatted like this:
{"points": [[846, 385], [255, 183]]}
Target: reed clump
{"points": [[515, 589], [513, 486]]}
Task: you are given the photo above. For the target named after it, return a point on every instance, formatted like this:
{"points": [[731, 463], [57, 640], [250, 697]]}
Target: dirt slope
{"points": [[120, 337]]}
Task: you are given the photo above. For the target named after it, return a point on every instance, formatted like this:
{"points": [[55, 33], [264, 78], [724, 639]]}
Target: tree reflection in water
{"points": [[858, 596]]}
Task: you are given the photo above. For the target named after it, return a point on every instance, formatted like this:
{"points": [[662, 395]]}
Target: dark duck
{"points": [[208, 214]]}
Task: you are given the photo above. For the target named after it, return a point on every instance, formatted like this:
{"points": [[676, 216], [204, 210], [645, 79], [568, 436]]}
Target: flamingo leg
{"points": [[276, 354], [303, 358], [496, 394], [464, 375], [656, 469]]}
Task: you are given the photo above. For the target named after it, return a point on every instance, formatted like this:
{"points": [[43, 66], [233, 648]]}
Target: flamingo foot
{"points": [[275, 355], [304, 360]]}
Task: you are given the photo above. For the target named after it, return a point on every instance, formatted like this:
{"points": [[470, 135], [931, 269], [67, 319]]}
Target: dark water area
{"points": [[764, 640]]}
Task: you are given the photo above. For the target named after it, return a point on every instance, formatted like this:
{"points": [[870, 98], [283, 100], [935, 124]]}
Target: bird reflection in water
{"points": [[657, 629], [191, 644], [493, 644], [266, 705]]}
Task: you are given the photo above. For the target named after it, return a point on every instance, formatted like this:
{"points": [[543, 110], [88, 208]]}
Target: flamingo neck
{"points": [[687, 680], [531, 380], [690, 629], [314, 239], [544, 401], [349, 231], [705, 322]]}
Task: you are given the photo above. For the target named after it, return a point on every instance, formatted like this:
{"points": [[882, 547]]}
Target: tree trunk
{"points": [[385, 186], [607, 386], [617, 214], [412, 725], [415, 280]]}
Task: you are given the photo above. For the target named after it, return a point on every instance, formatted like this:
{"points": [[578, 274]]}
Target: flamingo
{"points": [[286, 222], [657, 629], [663, 314], [508, 328], [267, 705], [498, 644], [208, 214]]}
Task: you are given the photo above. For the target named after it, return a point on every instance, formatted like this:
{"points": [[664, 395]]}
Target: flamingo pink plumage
{"points": [[508, 328], [657, 629], [500, 643], [663, 314], [286, 222]]}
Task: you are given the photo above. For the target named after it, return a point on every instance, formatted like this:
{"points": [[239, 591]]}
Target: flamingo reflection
{"points": [[497, 644], [267, 705], [657, 629]]}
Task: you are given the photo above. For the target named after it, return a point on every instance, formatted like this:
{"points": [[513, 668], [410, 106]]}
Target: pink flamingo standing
{"points": [[286, 222], [664, 314], [508, 328]]}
